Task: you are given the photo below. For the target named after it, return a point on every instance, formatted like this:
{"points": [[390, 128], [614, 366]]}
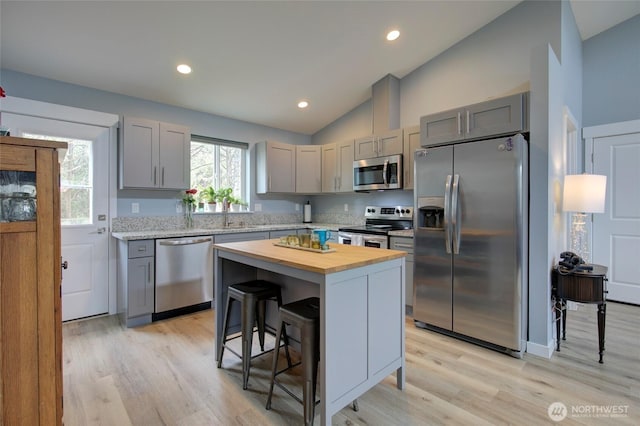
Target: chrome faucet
{"points": [[225, 213]]}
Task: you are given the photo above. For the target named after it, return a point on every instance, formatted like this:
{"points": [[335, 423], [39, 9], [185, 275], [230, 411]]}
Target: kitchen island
{"points": [[361, 291]]}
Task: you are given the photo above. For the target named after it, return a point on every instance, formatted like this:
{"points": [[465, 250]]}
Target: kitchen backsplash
{"points": [[152, 223]]}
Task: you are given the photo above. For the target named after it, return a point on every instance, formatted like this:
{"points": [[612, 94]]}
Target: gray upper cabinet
{"points": [[337, 167], [411, 138], [308, 169], [329, 167], [389, 143], [495, 117], [275, 167], [154, 155]]}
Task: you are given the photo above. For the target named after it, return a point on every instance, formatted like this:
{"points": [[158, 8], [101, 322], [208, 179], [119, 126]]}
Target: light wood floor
{"points": [[165, 374]]}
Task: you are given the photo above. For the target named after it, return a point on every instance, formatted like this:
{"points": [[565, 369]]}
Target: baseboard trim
{"points": [[541, 350]]}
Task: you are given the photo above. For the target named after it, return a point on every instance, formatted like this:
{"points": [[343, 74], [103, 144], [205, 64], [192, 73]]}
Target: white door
{"points": [[84, 201], [616, 233]]}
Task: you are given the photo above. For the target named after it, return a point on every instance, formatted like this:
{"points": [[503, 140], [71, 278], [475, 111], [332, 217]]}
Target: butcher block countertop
{"points": [[345, 256]]}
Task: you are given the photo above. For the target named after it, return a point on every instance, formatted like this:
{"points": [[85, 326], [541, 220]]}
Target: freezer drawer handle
{"points": [[447, 215], [455, 214], [185, 242]]}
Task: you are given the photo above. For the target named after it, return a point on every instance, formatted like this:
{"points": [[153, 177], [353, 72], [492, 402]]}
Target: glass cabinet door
{"points": [[17, 196]]}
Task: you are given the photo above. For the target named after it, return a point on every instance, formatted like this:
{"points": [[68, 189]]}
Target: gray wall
{"points": [[158, 203], [610, 88]]}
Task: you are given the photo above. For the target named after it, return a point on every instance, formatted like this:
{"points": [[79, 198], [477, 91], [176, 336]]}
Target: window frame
{"points": [[217, 142]]}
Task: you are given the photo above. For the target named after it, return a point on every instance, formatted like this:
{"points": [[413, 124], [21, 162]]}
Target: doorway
{"points": [[615, 153], [85, 218]]}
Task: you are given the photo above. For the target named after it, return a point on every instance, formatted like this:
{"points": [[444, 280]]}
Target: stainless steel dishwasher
{"points": [[184, 275]]}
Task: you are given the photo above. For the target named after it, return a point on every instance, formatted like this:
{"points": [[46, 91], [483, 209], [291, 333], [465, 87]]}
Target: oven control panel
{"points": [[396, 212]]}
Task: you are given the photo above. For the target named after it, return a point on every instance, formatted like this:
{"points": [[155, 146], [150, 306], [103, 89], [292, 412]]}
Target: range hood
{"points": [[385, 110]]}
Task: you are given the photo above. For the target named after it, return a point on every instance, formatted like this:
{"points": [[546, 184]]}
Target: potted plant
{"points": [[237, 205], [221, 195], [209, 195]]}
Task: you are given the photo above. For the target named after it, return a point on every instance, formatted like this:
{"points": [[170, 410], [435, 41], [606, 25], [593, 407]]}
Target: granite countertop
{"points": [[172, 233], [402, 233]]}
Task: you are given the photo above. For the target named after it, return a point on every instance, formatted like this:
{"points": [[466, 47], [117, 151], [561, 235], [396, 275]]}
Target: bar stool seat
{"points": [[252, 296], [305, 315]]}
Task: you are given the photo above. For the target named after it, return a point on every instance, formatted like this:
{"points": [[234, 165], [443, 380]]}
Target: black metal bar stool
{"points": [[304, 314], [252, 296]]}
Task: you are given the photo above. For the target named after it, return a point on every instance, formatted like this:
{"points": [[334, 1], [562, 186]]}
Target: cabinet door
{"points": [[390, 143], [281, 167], [308, 169], [406, 244], [174, 157], [384, 295], [330, 167], [345, 166], [140, 281], [366, 148], [499, 116], [411, 139], [441, 127], [139, 154]]}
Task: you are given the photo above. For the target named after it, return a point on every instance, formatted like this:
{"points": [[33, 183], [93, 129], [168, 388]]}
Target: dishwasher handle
{"points": [[186, 242]]}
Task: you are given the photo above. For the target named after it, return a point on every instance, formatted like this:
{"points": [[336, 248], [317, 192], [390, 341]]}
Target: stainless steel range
{"points": [[378, 222]]}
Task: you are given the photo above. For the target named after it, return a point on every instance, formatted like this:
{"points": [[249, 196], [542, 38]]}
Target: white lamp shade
{"points": [[584, 193]]}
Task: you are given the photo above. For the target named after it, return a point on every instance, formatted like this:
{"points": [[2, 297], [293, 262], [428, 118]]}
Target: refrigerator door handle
{"points": [[455, 213], [447, 215]]}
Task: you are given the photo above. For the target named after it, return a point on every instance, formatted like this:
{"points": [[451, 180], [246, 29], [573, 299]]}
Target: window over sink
{"points": [[219, 163]]}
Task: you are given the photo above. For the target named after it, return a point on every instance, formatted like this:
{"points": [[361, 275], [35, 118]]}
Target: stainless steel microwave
{"points": [[378, 173]]}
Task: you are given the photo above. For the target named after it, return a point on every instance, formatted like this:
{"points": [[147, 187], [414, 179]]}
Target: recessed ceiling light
{"points": [[184, 69], [392, 35], [303, 104]]}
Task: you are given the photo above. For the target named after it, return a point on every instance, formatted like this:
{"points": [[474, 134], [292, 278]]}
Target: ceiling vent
{"points": [[385, 94]]}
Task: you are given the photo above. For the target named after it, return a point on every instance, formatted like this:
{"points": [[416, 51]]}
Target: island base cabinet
{"points": [[362, 320], [367, 342]]}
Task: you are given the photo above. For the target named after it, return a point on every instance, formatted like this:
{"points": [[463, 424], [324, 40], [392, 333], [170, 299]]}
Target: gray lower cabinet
{"points": [[136, 281], [241, 236], [284, 233], [406, 244]]}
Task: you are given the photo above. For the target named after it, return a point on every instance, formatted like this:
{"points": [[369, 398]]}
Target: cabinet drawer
{"points": [[140, 248]]}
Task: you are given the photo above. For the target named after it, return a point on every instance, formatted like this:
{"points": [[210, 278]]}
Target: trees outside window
{"points": [[220, 164]]}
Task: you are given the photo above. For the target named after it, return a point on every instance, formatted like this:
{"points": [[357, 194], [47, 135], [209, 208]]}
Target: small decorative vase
{"points": [[188, 215]]}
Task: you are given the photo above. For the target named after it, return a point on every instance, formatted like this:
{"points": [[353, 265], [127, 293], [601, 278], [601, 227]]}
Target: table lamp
{"points": [[583, 194]]}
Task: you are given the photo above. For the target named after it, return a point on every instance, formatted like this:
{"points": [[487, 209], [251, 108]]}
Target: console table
{"points": [[583, 287]]}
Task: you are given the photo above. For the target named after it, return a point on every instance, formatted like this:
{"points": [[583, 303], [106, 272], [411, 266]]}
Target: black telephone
{"points": [[571, 262]]}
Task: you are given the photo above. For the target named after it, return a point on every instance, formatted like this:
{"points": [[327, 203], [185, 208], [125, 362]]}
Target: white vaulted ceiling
{"points": [[251, 61]]}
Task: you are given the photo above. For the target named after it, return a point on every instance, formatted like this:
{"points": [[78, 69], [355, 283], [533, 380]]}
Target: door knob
{"points": [[99, 231], [65, 265]]}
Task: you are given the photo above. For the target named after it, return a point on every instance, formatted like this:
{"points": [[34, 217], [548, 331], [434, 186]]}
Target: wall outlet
{"points": [[297, 207], [178, 206], [135, 207], [346, 207], [257, 207]]}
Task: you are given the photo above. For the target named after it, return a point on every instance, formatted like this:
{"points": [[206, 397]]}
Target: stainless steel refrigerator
{"points": [[471, 241]]}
